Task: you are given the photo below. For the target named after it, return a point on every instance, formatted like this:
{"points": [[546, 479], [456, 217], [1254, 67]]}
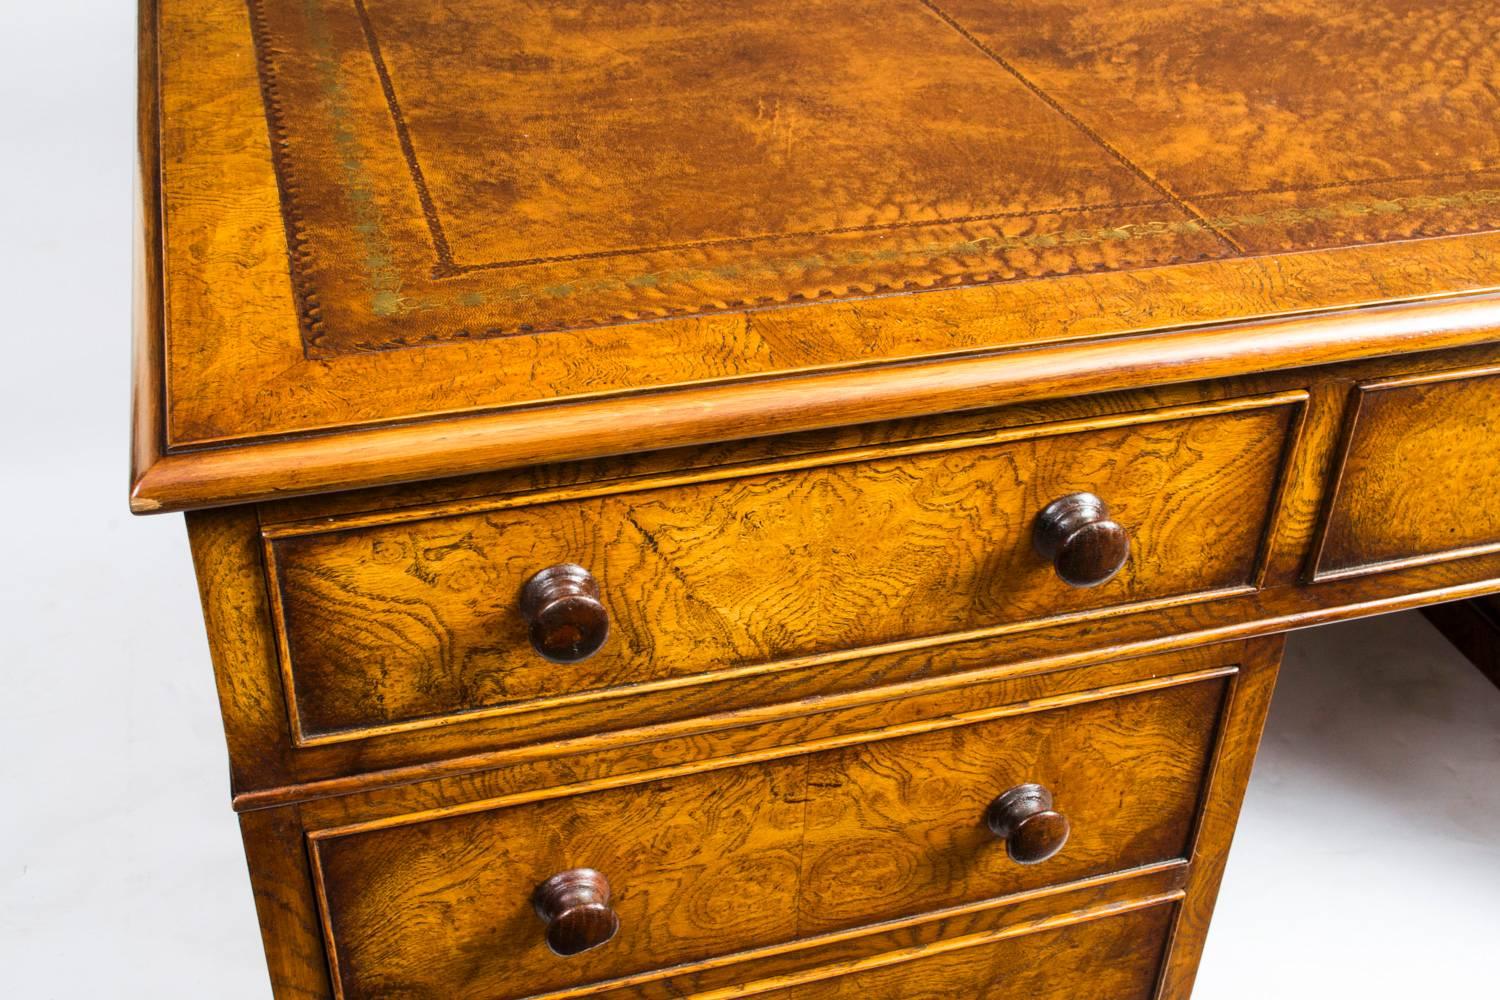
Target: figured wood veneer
{"points": [[291, 911], [763, 854], [404, 623], [270, 766], [1116, 952], [1420, 476]]}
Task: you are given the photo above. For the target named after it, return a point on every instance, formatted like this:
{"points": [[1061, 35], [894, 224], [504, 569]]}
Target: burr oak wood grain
{"points": [[1117, 954], [270, 764], [776, 850], [1419, 473], [763, 854], [408, 622], [899, 941]]}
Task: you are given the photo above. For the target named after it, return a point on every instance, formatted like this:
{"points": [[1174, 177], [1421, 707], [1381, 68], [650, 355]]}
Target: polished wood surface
{"points": [[406, 622], [919, 683], [761, 854], [1242, 725], [185, 478], [1064, 907], [1116, 955], [1084, 544], [560, 605], [376, 817], [1419, 475], [273, 762], [1032, 829], [234, 384], [575, 906]]}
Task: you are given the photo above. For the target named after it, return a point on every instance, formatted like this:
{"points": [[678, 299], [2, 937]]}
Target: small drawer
{"points": [[725, 856], [1420, 476], [400, 620]]}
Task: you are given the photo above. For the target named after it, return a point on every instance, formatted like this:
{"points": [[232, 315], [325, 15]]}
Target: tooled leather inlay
{"points": [[495, 167]]}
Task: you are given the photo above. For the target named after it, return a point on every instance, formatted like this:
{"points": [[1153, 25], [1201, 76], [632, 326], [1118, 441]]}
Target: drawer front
{"points": [[730, 856], [1117, 957], [389, 626], [1420, 480]]}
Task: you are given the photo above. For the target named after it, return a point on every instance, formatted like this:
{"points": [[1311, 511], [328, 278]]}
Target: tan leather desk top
{"points": [[424, 227]]}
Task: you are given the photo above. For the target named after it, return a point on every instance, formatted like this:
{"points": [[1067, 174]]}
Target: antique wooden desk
{"points": [[796, 498]]}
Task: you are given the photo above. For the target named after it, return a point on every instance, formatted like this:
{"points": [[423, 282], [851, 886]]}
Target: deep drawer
{"points": [[732, 855]]}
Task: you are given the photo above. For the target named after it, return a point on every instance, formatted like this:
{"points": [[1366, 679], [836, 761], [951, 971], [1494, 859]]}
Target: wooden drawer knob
{"points": [[1024, 818], [575, 907], [1084, 546], [561, 604]]}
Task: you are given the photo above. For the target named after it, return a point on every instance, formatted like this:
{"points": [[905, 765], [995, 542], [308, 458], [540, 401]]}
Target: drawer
{"points": [[1420, 476], [1117, 957], [407, 619], [728, 855]]}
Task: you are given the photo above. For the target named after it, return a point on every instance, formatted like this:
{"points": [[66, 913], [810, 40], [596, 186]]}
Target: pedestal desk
{"points": [[797, 499]]}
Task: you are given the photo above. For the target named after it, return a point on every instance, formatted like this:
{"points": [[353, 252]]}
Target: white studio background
{"points": [[1367, 864]]}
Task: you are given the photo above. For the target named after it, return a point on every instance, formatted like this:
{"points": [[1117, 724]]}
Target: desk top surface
{"points": [[366, 216]]}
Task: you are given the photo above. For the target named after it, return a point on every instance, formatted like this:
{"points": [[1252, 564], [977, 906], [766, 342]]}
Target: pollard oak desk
{"points": [[793, 498]]}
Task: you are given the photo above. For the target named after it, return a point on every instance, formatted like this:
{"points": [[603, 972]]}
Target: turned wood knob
{"points": [[575, 907], [1084, 546], [1024, 818], [561, 605]]}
